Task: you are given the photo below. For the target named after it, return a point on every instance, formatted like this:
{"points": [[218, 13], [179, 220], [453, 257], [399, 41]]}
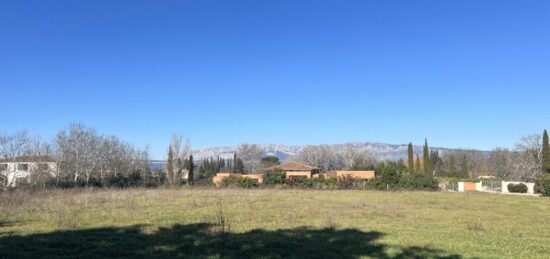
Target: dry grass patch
{"points": [[470, 225]]}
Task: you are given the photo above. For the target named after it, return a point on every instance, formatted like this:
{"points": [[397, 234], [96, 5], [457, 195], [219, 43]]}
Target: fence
{"points": [[491, 185]]}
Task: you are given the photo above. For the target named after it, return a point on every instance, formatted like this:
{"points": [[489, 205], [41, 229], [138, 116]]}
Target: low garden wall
{"points": [[530, 187]]}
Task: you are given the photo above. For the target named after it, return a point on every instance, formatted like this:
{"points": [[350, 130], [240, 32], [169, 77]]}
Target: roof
{"points": [[294, 166], [28, 159]]}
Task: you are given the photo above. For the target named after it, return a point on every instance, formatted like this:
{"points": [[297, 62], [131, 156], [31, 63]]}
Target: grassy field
{"points": [[271, 224]]}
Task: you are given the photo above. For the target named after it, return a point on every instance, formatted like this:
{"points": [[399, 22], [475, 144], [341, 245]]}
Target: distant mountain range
{"points": [[380, 151]]}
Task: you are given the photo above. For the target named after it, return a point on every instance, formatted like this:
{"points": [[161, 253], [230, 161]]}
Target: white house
{"points": [[18, 169]]}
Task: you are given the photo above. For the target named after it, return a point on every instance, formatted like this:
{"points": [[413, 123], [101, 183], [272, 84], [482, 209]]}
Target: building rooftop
{"points": [[293, 166]]}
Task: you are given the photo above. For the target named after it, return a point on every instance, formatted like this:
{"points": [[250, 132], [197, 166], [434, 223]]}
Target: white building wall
{"points": [[13, 173], [461, 186], [530, 187]]}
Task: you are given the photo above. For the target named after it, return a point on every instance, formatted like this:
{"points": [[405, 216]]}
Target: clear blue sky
{"points": [[462, 73]]}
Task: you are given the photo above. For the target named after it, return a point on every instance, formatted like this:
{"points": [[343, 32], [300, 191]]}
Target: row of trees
{"points": [[526, 161], [83, 157], [180, 167], [329, 157], [455, 164]]}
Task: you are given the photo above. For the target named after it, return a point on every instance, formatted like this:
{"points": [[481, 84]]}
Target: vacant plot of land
{"points": [[272, 224]]}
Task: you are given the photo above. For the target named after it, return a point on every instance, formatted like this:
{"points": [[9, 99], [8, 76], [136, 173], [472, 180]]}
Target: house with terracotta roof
{"points": [[296, 169], [17, 170]]}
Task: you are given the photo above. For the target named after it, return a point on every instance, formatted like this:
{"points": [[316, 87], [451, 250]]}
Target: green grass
{"points": [[272, 224]]}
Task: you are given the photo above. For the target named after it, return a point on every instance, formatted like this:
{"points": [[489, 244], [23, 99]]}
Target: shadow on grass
{"points": [[204, 240]]}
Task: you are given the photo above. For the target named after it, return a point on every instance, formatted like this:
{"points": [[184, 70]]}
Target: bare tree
{"points": [[251, 155], [176, 158], [13, 146], [330, 158], [84, 154], [527, 157], [499, 163]]}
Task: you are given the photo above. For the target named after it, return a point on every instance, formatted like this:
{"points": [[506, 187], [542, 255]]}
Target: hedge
{"points": [[517, 188]]}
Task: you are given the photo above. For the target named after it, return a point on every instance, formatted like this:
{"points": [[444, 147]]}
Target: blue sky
{"points": [[462, 73]]}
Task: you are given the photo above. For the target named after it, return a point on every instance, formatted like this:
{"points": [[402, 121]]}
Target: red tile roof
{"points": [[294, 166]]}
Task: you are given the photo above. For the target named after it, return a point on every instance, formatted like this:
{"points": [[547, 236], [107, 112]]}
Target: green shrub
{"points": [[377, 184], [94, 182], [274, 178], [419, 182], [545, 184], [345, 182], [299, 182], [237, 181], [332, 182], [517, 188]]}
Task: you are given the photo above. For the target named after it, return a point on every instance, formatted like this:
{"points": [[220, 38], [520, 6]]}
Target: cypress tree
{"points": [[239, 166], [452, 166], [464, 165], [410, 157], [417, 164], [191, 168], [545, 152], [427, 162], [235, 162]]}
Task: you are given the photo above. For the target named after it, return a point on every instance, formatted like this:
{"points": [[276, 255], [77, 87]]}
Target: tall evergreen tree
{"points": [[239, 166], [436, 162], [417, 164], [545, 152], [452, 166], [191, 169], [235, 162], [427, 162], [464, 167], [410, 153]]}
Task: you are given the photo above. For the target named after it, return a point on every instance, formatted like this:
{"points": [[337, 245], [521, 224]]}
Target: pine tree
{"points": [[191, 168], [436, 162], [417, 164], [464, 165], [235, 162], [545, 152], [239, 166], [452, 166], [427, 162], [410, 157]]}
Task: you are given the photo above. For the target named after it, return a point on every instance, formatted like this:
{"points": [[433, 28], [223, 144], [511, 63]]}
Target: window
{"points": [[43, 166], [23, 167], [3, 167]]}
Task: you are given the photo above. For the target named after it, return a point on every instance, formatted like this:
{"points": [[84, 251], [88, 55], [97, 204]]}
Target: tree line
{"points": [[88, 158], [83, 157]]}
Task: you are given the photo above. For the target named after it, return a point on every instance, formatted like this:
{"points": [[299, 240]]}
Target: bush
{"points": [[545, 184], [274, 178], [377, 184], [517, 188], [323, 182], [237, 181], [151, 182], [346, 182], [94, 182], [389, 173], [332, 182], [63, 183], [419, 182], [299, 182]]}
